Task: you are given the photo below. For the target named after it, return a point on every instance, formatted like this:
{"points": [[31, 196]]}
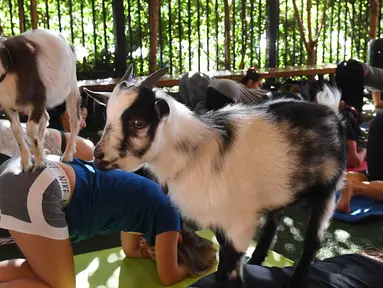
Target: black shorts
{"points": [[215, 100]]}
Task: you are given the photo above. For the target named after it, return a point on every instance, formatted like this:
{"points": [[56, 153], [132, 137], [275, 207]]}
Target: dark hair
{"points": [[353, 119], [349, 77], [251, 74], [57, 111], [196, 253], [290, 88]]}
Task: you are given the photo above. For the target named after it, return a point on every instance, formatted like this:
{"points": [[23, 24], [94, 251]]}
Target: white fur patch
{"points": [[119, 102], [328, 212]]}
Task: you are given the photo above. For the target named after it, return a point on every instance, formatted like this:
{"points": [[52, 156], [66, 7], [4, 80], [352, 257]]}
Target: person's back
{"points": [[108, 195], [375, 148], [237, 92]]}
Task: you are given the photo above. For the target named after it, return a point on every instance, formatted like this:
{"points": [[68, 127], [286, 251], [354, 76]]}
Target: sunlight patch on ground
{"points": [[342, 236], [114, 279], [82, 277]]}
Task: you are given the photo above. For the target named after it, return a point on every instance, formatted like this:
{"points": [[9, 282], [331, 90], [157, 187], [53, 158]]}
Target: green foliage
{"points": [[192, 32]]}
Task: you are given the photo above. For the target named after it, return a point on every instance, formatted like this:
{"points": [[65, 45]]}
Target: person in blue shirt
{"points": [[47, 209]]}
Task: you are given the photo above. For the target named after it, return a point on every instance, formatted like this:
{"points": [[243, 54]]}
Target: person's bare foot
{"points": [[343, 204]]}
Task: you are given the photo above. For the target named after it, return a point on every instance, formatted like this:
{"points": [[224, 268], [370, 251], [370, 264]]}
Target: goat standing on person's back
{"points": [[224, 169], [38, 71]]}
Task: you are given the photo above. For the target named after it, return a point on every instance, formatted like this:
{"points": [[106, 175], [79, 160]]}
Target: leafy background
{"points": [[191, 32]]}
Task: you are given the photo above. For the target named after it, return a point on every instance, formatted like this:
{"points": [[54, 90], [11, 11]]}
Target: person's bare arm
{"points": [[377, 99], [84, 147], [131, 246], [355, 158], [169, 271]]}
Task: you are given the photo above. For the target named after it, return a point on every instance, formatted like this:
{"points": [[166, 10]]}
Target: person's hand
{"points": [[152, 253]]}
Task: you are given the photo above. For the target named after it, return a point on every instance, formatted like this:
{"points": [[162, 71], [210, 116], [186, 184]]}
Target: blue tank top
{"points": [[107, 202]]}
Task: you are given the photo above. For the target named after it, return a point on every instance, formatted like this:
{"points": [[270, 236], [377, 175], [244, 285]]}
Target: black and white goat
{"points": [[224, 169], [38, 71]]}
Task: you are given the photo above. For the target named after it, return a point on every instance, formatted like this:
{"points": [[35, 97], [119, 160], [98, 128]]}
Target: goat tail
{"points": [[329, 97]]}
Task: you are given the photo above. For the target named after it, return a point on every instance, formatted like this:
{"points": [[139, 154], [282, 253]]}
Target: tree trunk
{"points": [[153, 26], [374, 21], [244, 34], [308, 39], [34, 14], [227, 35], [21, 15], [311, 55]]}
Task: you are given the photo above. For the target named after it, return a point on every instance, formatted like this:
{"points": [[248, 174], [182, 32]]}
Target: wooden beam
{"points": [[170, 81]]}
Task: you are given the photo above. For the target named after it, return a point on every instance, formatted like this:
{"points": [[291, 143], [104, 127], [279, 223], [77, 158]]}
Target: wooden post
{"points": [[21, 15], [272, 27], [227, 35], [120, 38], [374, 22], [33, 14], [153, 27], [244, 35]]}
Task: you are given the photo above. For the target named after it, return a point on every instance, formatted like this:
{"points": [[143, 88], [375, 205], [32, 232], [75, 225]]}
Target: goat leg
{"points": [[42, 126], [267, 235], [73, 109], [321, 212], [25, 155], [230, 263], [35, 120]]}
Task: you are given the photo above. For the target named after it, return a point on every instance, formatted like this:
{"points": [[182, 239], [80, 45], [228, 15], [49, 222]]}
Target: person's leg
{"points": [[15, 269], [50, 261], [358, 184]]}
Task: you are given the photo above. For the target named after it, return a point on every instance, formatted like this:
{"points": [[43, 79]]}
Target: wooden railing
{"points": [[173, 80]]}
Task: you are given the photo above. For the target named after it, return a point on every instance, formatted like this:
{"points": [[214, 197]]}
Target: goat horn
{"points": [[100, 97], [129, 74], [152, 79]]}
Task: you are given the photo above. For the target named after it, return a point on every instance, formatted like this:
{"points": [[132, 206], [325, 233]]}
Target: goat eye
{"points": [[139, 124]]}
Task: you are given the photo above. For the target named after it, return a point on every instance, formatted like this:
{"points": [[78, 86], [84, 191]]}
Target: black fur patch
{"points": [[229, 259], [30, 88], [314, 130], [220, 121], [142, 109]]}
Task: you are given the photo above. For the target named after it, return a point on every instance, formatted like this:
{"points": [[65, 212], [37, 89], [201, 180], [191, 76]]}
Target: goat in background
{"points": [[226, 168], [38, 71]]}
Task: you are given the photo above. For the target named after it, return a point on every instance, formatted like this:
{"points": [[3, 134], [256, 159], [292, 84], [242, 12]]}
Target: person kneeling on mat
{"points": [[46, 209]]}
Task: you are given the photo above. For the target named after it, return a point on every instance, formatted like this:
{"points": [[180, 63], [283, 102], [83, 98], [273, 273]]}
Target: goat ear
{"points": [[100, 97], [152, 79], [129, 74], [162, 108]]}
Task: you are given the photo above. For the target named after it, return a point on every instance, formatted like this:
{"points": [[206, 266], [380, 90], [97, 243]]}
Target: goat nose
{"points": [[98, 154], [101, 164]]}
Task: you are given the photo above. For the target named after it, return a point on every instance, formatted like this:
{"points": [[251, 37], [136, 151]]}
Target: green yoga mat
{"points": [[110, 269]]}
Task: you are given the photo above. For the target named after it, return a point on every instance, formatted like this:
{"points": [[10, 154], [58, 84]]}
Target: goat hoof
{"points": [[39, 165], [26, 166], [67, 158]]}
